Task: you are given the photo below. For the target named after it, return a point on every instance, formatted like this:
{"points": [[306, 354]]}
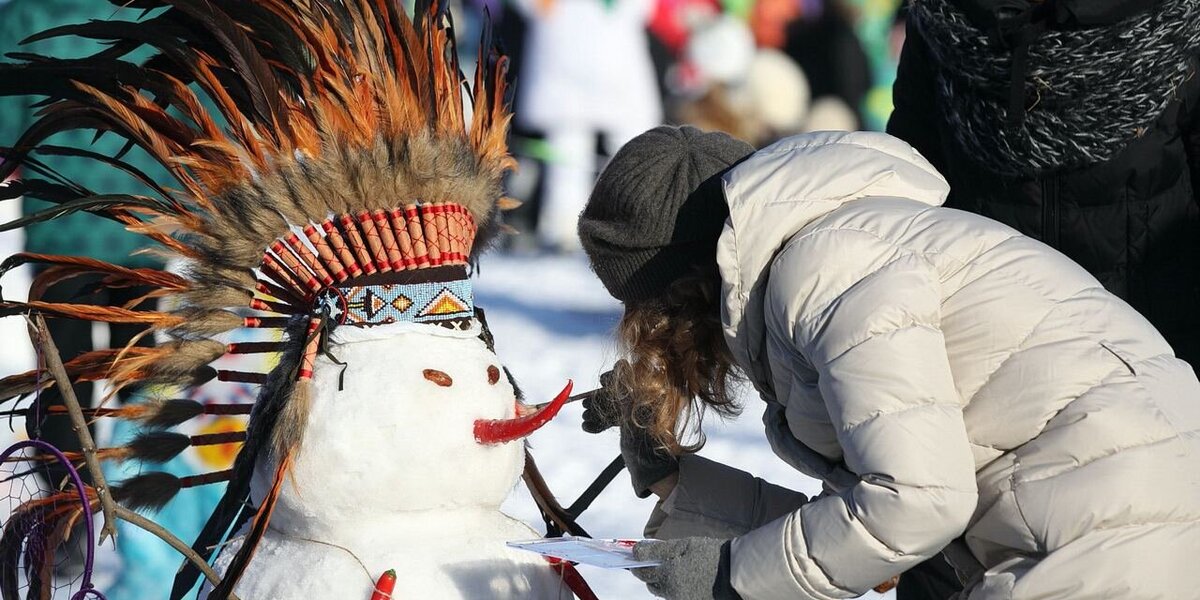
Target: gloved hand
{"points": [[610, 405], [691, 569]]}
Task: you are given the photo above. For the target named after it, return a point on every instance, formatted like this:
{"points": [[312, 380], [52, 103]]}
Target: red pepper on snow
{"points": [[385, 585]]}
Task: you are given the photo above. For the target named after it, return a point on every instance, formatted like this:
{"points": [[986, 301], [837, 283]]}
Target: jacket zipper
{"points": [[1050, 212]]}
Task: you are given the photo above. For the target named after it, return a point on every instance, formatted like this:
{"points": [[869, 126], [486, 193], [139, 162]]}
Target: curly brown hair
{"points": [[678, 363]]}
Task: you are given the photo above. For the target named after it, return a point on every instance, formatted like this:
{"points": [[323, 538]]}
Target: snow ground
{"points": [[552, 321]]}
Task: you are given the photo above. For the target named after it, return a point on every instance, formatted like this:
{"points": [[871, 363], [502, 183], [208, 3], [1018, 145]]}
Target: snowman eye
{"points": [[493, 375], [438, 377]]}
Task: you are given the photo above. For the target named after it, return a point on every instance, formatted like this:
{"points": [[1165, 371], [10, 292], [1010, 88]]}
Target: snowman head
{"points": [[417, 418], [433, 302], [408, 408]]}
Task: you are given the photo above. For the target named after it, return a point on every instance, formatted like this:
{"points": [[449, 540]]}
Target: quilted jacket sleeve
{"points": [[716, 500], [865, 315]]}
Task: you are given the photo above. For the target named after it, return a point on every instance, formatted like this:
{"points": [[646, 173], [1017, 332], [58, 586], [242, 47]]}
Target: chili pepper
{"points": [[385, 585], [499, 431]]}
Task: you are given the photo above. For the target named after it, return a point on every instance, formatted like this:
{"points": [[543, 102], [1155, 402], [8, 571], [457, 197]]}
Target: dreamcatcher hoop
{"points": [[86, 589]]}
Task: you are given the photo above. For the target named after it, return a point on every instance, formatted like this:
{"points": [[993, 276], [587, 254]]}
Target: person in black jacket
{"points": [[1076, 122]]}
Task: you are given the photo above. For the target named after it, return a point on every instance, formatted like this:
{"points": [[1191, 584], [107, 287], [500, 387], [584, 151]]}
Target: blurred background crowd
{"points": [[591, 74]]}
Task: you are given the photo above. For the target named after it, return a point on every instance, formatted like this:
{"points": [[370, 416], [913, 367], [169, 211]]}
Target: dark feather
{"points": [[202, 376], [173, 412], [100, 205], [262, 519], [21, 523], [148, 491], [141, 4], [146, 31], [281, 47], [158, 446], [37, 188], [13, 157], [245, 60], [36, 555], [237, 493], [19, 474], [67, 116], [54, 78], [123, 166]]}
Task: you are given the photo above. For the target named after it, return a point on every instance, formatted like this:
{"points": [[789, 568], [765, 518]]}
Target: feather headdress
{"points": [[340, 157]]}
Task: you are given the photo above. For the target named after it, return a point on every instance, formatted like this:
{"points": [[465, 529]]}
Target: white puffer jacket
{"points": [[946, 377]]}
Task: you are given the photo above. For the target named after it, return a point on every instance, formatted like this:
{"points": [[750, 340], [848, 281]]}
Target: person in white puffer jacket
{"points": [[958, 387]]}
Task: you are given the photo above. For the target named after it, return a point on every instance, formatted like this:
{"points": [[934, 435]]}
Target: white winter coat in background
{"points": [[587, 64], [950, 380], [587, 70]]}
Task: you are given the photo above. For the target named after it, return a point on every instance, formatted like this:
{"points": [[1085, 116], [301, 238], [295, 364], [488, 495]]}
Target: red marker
{"points": [[385, 585]]}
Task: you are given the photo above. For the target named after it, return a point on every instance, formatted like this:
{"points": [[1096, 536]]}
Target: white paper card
{"points": [[606, 554]]}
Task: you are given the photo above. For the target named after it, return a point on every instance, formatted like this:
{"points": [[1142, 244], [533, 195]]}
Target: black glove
{"points": [[610, 405], [690, 569]]}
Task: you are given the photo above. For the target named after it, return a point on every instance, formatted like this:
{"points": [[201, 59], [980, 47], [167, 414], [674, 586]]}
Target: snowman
{"points": [[404, 467]]}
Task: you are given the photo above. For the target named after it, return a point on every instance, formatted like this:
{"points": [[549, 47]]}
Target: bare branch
{"points": [[40, 334]]}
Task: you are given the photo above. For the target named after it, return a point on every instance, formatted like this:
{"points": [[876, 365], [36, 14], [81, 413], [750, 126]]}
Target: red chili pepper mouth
{"points": [[500, 431]]}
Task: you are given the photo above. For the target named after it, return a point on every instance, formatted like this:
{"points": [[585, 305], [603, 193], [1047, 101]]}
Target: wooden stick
{"points": [[546, 501], [268, 288], [339, 246], [41, 338], [308, 360], [374, 242], [307, 257], [357, 245], [271, 307], [390, 246], [295, 266], [277, 273], [459, 233], [416, 234], [403, 240], [443, 229], [157, 531], [332, 263], [429, 222]]}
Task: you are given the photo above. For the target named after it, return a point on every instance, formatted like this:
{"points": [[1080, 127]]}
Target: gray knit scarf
{"points": [[1087, 92]]}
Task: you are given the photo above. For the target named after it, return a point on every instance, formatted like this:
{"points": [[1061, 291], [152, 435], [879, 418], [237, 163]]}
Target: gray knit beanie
{"points": [[658, 208]]}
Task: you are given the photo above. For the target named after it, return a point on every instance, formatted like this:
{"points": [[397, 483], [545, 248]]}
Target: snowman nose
{"points": [[499, 431]]}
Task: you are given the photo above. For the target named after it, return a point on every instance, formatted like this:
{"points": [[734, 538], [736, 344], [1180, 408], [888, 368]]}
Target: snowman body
{"points": [[390, 476]]}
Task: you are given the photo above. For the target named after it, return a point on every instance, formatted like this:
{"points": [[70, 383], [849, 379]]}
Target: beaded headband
{"points": [[439, 296], [374, 268]]}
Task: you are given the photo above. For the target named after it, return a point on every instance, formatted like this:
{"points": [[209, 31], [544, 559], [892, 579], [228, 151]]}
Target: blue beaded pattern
{"points": [[449, 303]]}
